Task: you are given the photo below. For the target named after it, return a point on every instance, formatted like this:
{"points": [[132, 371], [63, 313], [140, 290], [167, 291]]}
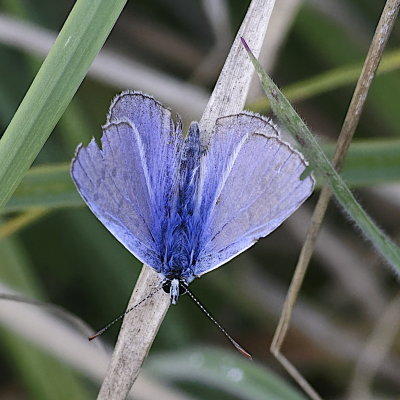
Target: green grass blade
{"points": [[45, 186], [322, 167], [227, 373], [368, 162], [63, 70], [43, 376]]}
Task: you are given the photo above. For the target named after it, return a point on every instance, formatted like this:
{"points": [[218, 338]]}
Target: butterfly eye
{"points": [[166, 285], [182, 288]]}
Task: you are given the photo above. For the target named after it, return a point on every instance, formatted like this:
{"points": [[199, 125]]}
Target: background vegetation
{"points": [[52, 248]]}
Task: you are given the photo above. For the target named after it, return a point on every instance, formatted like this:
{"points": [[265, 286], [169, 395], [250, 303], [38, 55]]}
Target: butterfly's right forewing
{"points": [[129, 182]]}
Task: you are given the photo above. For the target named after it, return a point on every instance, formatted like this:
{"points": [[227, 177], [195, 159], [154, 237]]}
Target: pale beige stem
{"points": [[230, 92], [137, 333], [140, 326]]}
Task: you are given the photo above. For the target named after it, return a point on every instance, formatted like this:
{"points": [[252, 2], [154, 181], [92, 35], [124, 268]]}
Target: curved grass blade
{"points": [[226, 373], [323, 169]]}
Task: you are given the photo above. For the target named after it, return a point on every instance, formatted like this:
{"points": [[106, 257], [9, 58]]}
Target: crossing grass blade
{"points": [[369, 162]]}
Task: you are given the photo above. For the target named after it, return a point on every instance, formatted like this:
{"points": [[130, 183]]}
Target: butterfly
{"points": [[187, 205]]}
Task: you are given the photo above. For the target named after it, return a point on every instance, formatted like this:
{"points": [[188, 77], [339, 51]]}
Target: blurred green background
{"points": [[52, 248]]}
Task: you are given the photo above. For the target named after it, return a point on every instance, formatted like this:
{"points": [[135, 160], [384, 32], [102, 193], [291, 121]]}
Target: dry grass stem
{"points": [[138, 331], [371, 63], [344, 264], [141, 325], [308, 321], [375, 351]]}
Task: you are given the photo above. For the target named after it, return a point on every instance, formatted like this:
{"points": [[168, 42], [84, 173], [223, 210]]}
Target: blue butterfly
{"points": [[185, 206]]}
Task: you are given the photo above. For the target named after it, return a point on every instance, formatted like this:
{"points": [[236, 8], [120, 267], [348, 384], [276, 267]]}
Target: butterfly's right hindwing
{"points": [[250, 184]]}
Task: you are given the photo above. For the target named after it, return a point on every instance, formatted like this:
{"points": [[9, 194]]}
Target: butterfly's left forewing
{"points": [[249, 191]]}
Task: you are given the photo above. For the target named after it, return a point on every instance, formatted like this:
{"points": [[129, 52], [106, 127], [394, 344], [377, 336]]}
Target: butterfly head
{"points": [[175, 287]]}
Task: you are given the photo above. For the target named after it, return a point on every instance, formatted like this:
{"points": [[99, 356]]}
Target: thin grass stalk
{"points": [[319, 163], [296, 126], [371, 63]]}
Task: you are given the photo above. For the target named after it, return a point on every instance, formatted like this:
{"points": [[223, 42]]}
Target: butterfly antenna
{"points": [[233, 341], [101, 331]]}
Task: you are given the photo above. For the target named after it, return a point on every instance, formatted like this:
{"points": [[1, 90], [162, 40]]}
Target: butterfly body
{"points": [[181, 237], [181, 205]]}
